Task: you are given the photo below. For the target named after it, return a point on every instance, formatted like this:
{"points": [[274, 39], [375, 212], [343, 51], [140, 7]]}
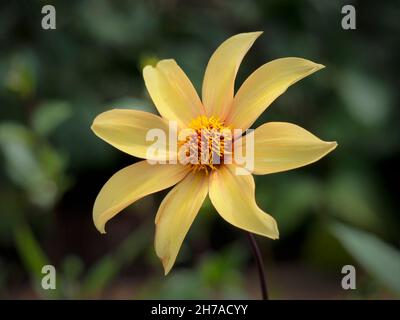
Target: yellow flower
{"points": [[278, 146]]}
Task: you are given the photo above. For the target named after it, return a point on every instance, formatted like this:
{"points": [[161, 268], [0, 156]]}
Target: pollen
{"points": [[205, 144]]}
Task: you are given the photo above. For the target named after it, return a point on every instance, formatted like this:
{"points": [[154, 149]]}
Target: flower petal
{"points": [[219, 78], [176, 214], [281, 146], [127, 130], [172, 92], [233, 196], [131, 184], [264, 85]]}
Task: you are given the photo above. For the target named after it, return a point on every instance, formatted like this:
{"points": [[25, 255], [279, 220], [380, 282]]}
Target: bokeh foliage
{"points": [[342, 210]]}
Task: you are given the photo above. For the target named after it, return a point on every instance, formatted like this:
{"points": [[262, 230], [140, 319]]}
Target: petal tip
{"points": [[166, 272], [251, 35], [162, 62], [99, 222], [257, 33], [99, 226], [148, 68], [166, 265], [276, 231], [254, 34], [333, 145], [310, 65], [314, 66], [93, 126], [96, 121]]}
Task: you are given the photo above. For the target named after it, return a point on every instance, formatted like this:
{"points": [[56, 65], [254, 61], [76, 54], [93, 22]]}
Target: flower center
{"points": [[205, 144]]}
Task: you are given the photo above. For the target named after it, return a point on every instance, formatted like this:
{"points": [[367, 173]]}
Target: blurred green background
{"points": [[342, 210]]}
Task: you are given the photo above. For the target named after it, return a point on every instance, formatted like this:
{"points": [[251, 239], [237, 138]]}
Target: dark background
{"points": [[341, 210]]}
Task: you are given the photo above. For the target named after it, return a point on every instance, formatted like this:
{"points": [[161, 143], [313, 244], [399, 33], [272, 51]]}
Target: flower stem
{"points": [[260, 265]]}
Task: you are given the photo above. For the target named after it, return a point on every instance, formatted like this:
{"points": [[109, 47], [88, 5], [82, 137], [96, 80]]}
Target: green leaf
{"points": [[22, 74], [30, 251], [381, 260], [49, 116], [32, 165], [352, 197], [368, 100], [180, 284], [16, 143], [33, 257], [294, 199], [107, 268], [100, 275]]}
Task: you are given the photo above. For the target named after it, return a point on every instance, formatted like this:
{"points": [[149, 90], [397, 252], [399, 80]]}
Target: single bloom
{"points": [[278, 146]]}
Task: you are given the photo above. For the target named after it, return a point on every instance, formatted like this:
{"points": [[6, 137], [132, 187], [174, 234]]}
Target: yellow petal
{"points": [[176, 214], [127, 129], [219, 78], [281, 146], [233, 196], [264, 85], [172, 92], [131, 184]]}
